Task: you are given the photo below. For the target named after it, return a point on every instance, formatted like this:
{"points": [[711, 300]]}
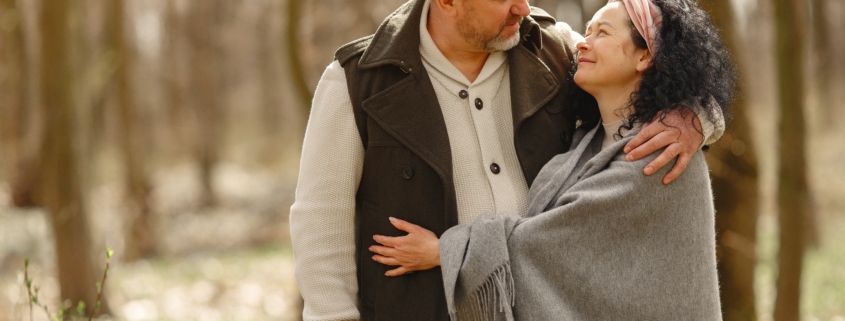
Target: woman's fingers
{"points": [[404, 225], [397, 271], [419, 250], [389, 241], [384, 251], [386, 260]]}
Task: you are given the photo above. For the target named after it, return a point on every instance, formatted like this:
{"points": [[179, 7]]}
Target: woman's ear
{"points": [[644, 61]]}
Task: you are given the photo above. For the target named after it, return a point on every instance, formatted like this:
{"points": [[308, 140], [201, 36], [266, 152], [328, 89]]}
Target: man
{"points": [[450, 109]]}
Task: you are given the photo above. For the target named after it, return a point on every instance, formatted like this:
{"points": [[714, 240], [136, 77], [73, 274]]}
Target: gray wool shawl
{"points": [[601, 241]]}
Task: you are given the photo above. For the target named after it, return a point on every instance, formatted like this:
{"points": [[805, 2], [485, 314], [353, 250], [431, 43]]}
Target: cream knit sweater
{"points": [[322, 216]]}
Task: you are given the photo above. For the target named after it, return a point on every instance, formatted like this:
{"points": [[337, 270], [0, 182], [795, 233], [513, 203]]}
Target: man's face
{"points": [[492, 25]]}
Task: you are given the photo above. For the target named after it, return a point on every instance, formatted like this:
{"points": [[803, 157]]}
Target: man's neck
{"points": [[467, 60]]}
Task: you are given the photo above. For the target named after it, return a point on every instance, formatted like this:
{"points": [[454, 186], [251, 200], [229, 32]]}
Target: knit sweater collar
{"points": [[435, 58]]}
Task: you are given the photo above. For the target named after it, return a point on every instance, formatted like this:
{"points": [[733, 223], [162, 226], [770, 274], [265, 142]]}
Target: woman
{"points": [[601, 240]]}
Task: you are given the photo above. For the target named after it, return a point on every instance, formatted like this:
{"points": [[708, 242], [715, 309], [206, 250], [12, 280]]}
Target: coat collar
{"points": [[409, 112], [396, 41]]}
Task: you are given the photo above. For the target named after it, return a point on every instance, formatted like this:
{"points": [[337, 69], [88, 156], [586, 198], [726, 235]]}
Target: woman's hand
{"points": [[417, 251]]}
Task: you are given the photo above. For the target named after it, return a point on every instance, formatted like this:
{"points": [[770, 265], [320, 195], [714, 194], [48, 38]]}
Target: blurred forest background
{"points": [[170, 130]]}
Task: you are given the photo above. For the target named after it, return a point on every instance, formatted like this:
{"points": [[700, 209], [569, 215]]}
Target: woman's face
{"points": [[608, 58]]}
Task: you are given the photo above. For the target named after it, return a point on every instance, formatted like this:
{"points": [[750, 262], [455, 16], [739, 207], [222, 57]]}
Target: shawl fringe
{"points": [[496, 292]]}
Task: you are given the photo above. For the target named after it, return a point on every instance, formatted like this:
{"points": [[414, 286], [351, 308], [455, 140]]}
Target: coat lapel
{"points": [[421, 129], [532, 83]]}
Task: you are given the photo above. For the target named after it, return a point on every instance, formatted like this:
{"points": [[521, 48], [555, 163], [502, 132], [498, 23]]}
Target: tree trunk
{"points": [[269, 74], [295, 63], [175, 58], [204, 80], [736, 201], [12, 87], [140, 239], [60, 191], [734, 172], [19, 158], [824, 67], [733, 162], [793, 196]]}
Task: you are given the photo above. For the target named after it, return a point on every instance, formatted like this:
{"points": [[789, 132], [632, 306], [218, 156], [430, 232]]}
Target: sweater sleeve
{"points": [[713, 127], [322, 217]]}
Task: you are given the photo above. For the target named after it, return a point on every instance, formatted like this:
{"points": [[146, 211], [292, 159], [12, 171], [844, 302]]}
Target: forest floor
{"points": [[228, 262], [252, 284]]}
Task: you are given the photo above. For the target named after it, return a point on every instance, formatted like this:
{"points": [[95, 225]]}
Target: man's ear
{"points": [[447, 7], [644, 60]]}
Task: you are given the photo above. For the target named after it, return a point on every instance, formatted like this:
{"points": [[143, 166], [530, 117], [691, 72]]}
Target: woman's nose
{"points": [[581, 45]]}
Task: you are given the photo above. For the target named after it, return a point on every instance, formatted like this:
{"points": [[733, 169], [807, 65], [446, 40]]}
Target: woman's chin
{"points": [[581, 80]]}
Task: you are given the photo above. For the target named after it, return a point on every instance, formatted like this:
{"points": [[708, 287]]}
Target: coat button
{"points": [[495, 168], [407, 172], [463, 94], [564, 137], [479, 104]]}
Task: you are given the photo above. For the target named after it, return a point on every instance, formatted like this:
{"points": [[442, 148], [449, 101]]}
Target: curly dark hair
{"points": [[691, 67]]}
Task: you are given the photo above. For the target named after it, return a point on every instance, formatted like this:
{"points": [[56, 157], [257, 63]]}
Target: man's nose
{"points": [[521, 8]]}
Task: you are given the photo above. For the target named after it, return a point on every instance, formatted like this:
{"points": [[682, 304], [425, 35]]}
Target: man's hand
{"points": [[417, 251], [680, 130]]}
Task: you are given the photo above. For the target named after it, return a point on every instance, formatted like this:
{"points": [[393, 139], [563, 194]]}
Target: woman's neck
{"points": [[613, 102]]}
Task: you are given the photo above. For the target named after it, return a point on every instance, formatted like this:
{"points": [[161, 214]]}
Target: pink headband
{"points": [[646, 17]]}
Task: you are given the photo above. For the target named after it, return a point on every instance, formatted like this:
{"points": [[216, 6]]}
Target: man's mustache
{"points": [[511, 20]]}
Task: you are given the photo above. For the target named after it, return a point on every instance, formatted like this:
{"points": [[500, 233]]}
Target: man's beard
{"points": [[488, 42]]}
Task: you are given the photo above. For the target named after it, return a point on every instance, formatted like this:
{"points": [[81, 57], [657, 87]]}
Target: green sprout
{"points": [[32, 293], [80, 309]]}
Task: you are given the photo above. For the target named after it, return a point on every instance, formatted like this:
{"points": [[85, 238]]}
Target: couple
{"points": [[454, 108]]}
